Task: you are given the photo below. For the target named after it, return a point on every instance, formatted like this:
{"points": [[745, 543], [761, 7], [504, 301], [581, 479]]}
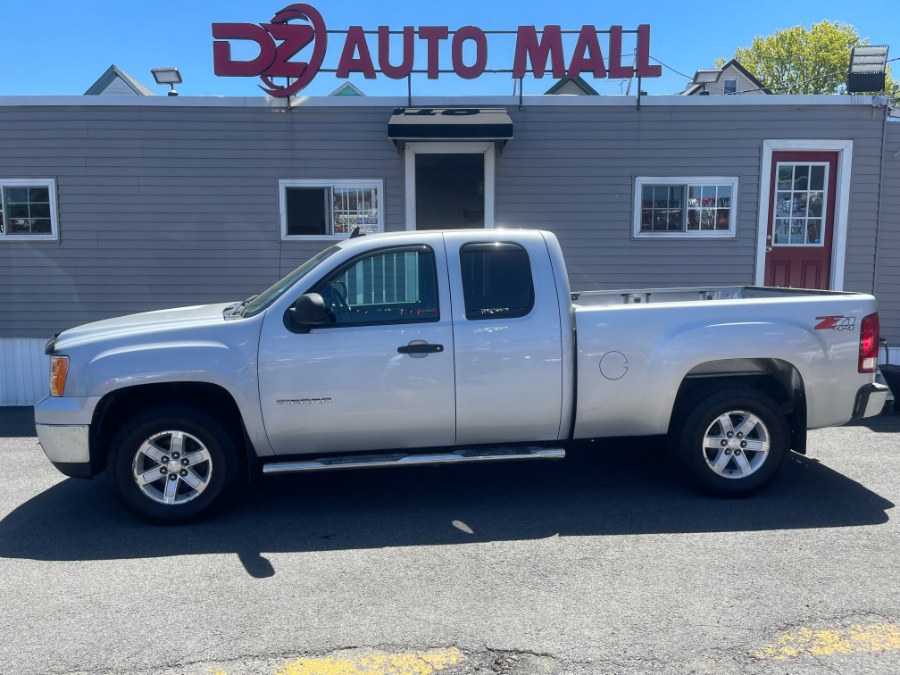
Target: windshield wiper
{"points": [[238, 309]]}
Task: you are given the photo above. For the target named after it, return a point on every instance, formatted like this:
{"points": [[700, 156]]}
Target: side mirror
{"points": [[308, 312]]}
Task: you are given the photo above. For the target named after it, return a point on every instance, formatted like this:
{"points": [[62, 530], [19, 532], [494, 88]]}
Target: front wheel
{"points": [[732, 442], [173, 464]]}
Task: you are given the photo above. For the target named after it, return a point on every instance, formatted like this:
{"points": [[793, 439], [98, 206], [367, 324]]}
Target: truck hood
{"points": [[146, 324]]}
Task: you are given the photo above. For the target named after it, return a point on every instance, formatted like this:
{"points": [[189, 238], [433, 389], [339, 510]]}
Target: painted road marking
{"points": [[875, 637], [376, 663]]}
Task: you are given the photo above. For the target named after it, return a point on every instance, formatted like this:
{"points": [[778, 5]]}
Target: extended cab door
{"points": [[380, 376], [508, 336]]}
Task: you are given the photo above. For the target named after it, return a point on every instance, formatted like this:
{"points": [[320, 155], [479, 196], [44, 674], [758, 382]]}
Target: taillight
{"points": [[59, 369], [868, 344]]}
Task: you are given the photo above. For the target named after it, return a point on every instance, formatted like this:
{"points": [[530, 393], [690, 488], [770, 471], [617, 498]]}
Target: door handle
{"points": [[768, 249], [420, 348]]}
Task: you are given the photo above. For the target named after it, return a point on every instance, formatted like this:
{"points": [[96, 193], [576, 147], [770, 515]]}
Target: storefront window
{"points": [[685, 207], [27, 209], [330, 209]]}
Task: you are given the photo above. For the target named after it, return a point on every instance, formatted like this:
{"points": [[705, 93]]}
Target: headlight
{"points": [[59, 369]]}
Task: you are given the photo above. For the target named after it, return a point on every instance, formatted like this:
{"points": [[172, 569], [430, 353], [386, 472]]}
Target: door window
{"points": [[397, 285], [800, 203], [497, 281]]}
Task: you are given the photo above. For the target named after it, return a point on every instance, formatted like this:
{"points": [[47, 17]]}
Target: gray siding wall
{"points": [[888, 283], [163, 206], [171, 206], [572, 170]]}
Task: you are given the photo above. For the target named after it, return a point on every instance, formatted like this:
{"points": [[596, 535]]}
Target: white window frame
{"points": [[641, 181], [449, 147], [50, 184], [285, 183]]}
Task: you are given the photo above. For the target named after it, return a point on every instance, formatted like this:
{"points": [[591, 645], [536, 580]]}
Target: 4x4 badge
{"points": [[835, 323]]}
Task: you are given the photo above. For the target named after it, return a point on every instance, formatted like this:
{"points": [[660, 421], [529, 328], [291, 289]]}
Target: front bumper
{"points": [[63, 427], [67, 446], [870, 400]]}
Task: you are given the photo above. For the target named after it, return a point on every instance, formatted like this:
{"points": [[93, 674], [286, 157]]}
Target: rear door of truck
{"points": [[507, 335]]}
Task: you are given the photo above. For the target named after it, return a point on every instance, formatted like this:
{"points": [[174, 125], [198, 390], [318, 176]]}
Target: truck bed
{"points": [[635, 296]]}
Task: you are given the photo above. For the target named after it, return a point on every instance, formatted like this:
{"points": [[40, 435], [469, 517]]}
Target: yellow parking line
{"points": [[875, 637], [375, 663]]}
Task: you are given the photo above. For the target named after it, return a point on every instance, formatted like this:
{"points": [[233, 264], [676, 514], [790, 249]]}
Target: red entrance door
{"points": [[801, 219]]}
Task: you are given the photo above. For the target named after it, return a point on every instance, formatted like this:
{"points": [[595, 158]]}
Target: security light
{"points": [[705, 77], [868, 65], [169, 76]]}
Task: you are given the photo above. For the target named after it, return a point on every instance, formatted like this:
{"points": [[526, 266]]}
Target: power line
{"points": [[688, 77]]}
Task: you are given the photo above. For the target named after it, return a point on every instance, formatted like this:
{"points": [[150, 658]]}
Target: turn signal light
{"points": [[59, 369], [868, 344]]}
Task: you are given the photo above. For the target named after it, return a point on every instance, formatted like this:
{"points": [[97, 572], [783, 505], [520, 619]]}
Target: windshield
{"points": [[271, 294]]}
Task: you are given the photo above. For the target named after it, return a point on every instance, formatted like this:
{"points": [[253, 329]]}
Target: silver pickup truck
{"points": [[439, 347]]}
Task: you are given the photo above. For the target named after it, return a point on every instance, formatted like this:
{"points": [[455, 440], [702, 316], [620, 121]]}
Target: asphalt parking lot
{"points": [[601, 563]]}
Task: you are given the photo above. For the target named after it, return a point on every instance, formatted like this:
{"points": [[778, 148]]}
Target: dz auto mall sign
{"points": [[294, 43]]}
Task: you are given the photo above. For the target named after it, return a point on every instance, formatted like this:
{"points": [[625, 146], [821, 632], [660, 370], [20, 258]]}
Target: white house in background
{"points": [[733, 79], [116, 82]]}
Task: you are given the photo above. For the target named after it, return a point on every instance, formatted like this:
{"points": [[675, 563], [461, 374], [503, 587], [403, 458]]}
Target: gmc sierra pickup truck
{"points": [[438, 347]]}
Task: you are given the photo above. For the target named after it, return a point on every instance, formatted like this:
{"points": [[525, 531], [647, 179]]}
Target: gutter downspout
{"points": [[884, 122]]}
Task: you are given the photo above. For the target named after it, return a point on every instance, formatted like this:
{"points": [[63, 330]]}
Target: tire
{"points": [[191, 444], [739, 465]]}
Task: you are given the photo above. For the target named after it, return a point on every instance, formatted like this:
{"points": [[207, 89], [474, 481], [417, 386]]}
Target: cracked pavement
{"points": [[602, 563]]}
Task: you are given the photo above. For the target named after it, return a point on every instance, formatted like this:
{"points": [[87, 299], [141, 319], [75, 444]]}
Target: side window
{"points": [[396, 285], [497, 281], [28, 209], [329, 209]]}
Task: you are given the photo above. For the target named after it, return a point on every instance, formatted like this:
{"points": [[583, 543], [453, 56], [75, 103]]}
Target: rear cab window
{"points": [[497, 281]]}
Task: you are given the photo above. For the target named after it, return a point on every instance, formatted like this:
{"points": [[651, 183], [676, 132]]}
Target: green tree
{"points": [[800, 61]]}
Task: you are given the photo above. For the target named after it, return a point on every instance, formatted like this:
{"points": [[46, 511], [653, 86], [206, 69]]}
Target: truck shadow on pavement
{"points": [[594, 492], [17, 422]]}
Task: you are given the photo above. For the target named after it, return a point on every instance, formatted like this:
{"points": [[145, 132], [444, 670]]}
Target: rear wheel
{"points": [[173, 464], [732, 442]]}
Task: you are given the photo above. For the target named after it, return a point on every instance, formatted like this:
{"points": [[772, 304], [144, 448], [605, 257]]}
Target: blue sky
{"points": [[61, 48]]}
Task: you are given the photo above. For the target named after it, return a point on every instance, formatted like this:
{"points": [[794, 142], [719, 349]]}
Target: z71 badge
{"points": [[835, 323]]}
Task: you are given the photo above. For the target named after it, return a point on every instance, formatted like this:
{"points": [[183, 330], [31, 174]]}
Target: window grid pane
{"points": [[662, 208], [25, 211], [709, 208], [693, 208], [799, 204]]}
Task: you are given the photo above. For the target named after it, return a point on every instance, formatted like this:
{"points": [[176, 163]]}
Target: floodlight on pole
{"points": [[868, 68], [169, 76]]}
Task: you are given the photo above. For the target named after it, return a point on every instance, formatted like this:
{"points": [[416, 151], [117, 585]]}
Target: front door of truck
{"points": [[380, 376], [508, 336]]}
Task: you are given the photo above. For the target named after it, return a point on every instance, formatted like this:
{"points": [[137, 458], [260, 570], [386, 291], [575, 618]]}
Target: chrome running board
{"points": [[414, 459]]}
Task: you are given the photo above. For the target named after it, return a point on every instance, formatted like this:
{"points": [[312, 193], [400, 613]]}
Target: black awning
{"points": [[450, 124]]}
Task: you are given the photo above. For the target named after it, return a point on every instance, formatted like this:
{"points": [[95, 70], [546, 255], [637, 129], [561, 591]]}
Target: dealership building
{"points": [[120, 203]]}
